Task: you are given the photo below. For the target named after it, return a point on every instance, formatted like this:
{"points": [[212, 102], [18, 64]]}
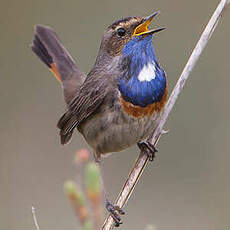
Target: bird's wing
{"points": [[48, 47], [87, 102]]}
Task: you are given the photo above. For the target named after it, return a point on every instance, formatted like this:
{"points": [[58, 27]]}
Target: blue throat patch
{"points": [[138, 56]]}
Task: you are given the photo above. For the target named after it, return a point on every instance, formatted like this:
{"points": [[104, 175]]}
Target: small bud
{"points": [[82, 156], [73, 191]]}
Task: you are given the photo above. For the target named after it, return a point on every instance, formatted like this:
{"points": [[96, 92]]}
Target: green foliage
{"points": [[89, 217], [72, 190], [93, 178], [87, 225]]}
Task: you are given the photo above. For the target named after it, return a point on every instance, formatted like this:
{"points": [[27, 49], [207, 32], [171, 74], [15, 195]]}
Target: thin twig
{"points": [[142, 159], [35, 218]]}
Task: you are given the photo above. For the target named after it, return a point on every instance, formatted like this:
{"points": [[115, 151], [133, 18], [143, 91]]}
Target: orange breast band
{"points": [[149, 110]]}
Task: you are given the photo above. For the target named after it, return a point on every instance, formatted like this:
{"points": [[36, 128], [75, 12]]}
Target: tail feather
{"points": [[60, 55], [40, 50], [47, 46]]}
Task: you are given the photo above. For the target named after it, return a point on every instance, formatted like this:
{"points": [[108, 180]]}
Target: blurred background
{"points": [[187, 186]]}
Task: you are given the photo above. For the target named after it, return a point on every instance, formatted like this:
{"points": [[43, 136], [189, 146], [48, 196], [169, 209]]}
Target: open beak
{"points": [[142, 28]]}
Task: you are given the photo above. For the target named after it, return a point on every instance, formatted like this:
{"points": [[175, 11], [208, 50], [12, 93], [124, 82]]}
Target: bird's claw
{"points": [[148, 148], [115, 211], [119, 210]]}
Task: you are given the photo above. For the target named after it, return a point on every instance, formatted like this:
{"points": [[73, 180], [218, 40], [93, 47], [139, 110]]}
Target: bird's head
{"points": [[125, 30], [127, 52]]}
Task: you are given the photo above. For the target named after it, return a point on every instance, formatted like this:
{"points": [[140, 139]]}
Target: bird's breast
{"points": [[139, 111], [143, 91]]}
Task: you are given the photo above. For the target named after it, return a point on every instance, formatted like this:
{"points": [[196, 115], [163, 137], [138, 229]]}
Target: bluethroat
{"points": [[117, 103]]}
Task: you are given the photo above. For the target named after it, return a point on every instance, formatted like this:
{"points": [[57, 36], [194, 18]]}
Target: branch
{"points": [[142, 159], [35, 218]]}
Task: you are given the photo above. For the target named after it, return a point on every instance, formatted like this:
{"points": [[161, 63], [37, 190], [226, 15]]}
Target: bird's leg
{"points": [[148, 148], [114, 210]]}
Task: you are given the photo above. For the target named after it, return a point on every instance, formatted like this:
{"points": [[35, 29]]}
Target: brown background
{"points": [[187, 187]]}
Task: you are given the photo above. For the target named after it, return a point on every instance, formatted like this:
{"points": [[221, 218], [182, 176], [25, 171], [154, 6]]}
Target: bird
{"points": [[117, 103]]}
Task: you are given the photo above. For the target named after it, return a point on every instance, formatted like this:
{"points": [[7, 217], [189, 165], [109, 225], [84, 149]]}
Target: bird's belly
{"points": [[114, 130]]}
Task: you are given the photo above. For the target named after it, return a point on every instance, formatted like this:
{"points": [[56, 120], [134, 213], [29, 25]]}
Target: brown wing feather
{"points": [[86, 102]]}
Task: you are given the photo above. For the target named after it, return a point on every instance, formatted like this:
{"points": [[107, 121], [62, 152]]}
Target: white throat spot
{"points": [[148, 72]]}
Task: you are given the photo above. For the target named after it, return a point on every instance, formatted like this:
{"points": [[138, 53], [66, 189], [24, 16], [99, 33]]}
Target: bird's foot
{"points": [[115, 212], [148, 148]]}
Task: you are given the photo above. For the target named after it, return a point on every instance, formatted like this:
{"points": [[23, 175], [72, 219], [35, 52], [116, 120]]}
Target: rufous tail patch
{"points": [[55, 71]]}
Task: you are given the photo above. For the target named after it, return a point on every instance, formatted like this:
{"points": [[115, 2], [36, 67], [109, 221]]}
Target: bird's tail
{"points": [[47, 46]]}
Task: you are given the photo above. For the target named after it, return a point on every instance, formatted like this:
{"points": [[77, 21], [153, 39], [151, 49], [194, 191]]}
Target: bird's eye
{"points": [[121, 32]]}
